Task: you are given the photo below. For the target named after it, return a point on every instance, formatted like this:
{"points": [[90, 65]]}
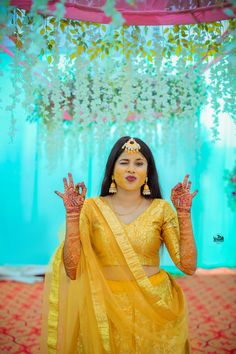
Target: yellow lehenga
{"points": [[113, 306]]}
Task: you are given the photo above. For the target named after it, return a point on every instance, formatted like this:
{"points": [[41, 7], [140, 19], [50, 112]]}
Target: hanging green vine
{"points": [[193, 42], [96, 74]]}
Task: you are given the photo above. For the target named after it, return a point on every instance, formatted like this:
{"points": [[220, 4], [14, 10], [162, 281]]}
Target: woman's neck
{"points": [[127, 198]]}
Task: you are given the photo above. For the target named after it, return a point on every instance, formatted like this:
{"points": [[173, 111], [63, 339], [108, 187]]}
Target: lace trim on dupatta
{"points": [[53, 315], [101, 316]]}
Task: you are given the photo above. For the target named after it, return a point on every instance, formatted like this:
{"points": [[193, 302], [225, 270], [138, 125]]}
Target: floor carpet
{"points": [[211, 299]]}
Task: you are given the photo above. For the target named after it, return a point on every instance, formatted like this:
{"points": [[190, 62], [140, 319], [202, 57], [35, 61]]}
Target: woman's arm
{"points": [[71, 249], [182, 201], [178, 237], [188, 251], [73, 201]]}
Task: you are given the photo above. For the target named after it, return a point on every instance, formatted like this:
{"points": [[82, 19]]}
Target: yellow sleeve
{"points": [[84, 222], [170, 233]]}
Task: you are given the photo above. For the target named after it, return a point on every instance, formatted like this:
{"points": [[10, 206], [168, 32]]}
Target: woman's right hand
{"points": [[72, 198]]}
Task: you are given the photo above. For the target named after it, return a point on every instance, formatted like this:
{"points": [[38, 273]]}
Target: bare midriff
{"points": [[115, 272]]}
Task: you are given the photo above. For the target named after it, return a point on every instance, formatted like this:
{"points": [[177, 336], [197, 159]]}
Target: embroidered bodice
{"points": [[157, 224]]}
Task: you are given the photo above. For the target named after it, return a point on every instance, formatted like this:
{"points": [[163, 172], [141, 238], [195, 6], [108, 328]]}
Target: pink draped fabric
{"points": [[144, 12]]}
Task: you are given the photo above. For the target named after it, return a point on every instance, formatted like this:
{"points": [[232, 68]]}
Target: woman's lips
{"points": [[131, 178]]}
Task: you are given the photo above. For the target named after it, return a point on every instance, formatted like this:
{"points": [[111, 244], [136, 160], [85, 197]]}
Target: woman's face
{"points": [[130, 171]]}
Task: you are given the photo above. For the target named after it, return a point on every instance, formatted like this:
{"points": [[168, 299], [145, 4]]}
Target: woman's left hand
{"points": [[181, 196]]}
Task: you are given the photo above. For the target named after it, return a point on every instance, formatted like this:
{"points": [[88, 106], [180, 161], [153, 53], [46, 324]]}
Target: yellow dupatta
{"points": [[81, 313]]}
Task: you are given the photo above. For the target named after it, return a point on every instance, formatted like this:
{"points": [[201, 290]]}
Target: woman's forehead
{"points": [[133, 156]]}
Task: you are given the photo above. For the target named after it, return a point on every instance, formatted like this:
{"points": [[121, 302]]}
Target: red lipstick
{"points": [[131, 178]]}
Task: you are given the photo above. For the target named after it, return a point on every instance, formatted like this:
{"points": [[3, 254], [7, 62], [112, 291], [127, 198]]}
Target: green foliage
{"points": [[193, 42], [94, 71]]}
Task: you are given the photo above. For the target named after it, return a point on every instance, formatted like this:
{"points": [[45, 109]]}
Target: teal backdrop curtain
{"points": [[32, 214]]}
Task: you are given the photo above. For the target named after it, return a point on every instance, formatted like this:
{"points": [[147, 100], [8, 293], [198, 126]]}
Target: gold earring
{"points": [[146, 190], [112, 188]]}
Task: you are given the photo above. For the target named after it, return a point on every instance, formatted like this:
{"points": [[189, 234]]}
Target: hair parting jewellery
{"points": [[131, 146]]}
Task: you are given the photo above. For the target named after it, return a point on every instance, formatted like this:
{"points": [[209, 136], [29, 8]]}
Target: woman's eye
{"points": [[137, 164]]}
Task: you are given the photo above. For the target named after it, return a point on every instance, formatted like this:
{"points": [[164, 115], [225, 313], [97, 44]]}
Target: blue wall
{"points": [[31, 214]]}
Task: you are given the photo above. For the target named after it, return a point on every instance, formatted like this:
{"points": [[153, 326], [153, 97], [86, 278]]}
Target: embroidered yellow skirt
{"points": [[129, 342], [71, 330]]}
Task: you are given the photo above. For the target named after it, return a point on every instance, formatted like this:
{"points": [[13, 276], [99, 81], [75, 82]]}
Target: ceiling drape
{"points": [[144, 12]]}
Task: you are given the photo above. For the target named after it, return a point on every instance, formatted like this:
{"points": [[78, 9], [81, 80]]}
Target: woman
{"points": [[106, 292]]}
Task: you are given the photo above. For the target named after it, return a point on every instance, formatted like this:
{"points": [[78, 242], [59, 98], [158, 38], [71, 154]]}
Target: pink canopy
{"points": [[144, 12]]}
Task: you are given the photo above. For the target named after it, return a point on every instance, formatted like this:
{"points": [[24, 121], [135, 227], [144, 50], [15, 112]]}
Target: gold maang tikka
{"points": [[131, 146]]}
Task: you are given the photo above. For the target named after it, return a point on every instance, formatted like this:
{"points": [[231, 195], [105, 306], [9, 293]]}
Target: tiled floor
{"points": [[211, 297]]}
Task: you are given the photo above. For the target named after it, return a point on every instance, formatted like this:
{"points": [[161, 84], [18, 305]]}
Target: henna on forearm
{"points": [[71, 249], [73, 201], [188, 251], [182, 201]]}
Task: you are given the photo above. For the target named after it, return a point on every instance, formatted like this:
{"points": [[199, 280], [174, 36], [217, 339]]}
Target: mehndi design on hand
{"points": [[72, 198], [181, 196]]}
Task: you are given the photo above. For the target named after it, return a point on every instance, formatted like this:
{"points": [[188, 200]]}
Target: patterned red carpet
{"points": [[212, 313]]}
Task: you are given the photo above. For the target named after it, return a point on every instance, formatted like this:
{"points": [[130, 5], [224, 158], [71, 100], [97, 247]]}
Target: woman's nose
{"points": [[131, 169]]}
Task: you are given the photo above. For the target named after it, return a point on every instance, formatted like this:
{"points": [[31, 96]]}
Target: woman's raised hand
{"points": [[72, 198], [181, 196]]}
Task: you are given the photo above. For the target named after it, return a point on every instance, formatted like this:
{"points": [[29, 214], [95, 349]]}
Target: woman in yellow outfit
{"points": [[105, 292]]}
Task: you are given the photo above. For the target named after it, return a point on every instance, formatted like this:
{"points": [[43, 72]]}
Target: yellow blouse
{"points": [[157, 224]]}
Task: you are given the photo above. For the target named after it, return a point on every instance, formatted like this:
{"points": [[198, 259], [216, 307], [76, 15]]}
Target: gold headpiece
{"points": [[131, 146]]}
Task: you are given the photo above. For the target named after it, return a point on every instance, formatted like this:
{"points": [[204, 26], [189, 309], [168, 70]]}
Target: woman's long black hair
{"points": [[152, 175]]}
